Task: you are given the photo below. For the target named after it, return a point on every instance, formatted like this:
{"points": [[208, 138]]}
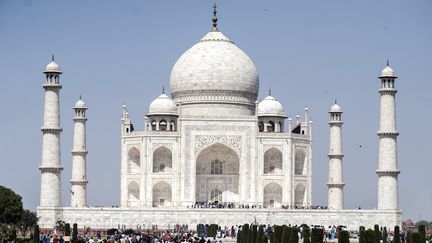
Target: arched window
{"points": [[163, 125], [216, 167], [300, 157], [216, 195], [299, 194], [273, 161], [271, 126], [261, 126], [162, 160], [162, 194], [133, 164]]}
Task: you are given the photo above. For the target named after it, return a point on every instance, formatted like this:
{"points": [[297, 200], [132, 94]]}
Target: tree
{"points": [[369, 236], [286, 234], [36, 233], [343, 237], [306, 235], [27, 222], [377, 234], [254, 233], [416, 238], [10, 206], [278, 233], [260, 235], [10, 213], [317, 235], [74, 233], [422, 232], [396, 235], [293, 235]]}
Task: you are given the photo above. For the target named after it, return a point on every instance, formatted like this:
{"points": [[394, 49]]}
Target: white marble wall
{"points": [[104, 218]]}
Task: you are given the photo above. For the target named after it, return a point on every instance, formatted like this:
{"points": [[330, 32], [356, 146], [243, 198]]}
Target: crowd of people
{"points": [[230, 205]]}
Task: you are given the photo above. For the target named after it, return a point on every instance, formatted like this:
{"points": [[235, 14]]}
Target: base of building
{"points": [[165, 218]]}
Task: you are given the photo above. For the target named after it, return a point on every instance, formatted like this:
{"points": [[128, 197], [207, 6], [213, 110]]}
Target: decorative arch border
{"points": [[202, 142]]}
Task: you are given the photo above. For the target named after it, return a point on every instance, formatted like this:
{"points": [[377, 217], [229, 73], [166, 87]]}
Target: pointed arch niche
{"points": [[273, 161], [162, 160], [134, 160]]}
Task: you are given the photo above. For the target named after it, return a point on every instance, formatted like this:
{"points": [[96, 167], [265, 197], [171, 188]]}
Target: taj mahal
{"points": [[212, 151]]}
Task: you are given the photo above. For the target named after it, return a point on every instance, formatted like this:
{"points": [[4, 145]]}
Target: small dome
{"points": [[336, 108], [52, 67], [80, 104], [163, 105], [388, 72], [269, 106]]}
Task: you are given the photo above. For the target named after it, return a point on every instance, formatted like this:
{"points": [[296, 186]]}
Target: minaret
{"points": [[79, 154], [387, 162], [50, 195], [335, 183]]}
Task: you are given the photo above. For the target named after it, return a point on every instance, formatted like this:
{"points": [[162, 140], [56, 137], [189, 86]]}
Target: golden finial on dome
{"points": [[214, 18]]}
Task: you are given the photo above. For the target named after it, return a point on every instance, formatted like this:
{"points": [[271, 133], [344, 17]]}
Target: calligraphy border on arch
{"points": [[203, 140]]}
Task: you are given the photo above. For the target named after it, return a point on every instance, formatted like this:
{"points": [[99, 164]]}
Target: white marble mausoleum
{"points": [[213, 139]]}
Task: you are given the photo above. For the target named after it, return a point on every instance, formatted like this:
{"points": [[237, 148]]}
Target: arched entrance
{"points": [[217, 174]]}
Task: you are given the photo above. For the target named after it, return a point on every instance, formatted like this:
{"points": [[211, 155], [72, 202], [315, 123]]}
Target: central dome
{"points": [[215, 70]]}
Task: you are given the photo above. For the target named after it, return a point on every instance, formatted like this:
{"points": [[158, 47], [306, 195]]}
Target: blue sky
{"points": [[309, 52]]}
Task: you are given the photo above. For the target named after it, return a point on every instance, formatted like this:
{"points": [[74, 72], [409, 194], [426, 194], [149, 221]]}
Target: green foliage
{"points": [[361, 229], [260, 234], [422, 232], [74, 233], [27, 222], [212, 230], [377, 234], [343, 237], [367, 236], [277, 233], [416, 238], [10, 206], [396, 235], [421, 222], [286, 233], [36, 233], [294, 235], [409, 237], [67, 229], [317, 235], [254, 233], [245, 233], [306, 235]]}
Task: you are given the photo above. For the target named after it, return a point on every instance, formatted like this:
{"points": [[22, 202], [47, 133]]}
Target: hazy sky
{"points": [[309, 52]]}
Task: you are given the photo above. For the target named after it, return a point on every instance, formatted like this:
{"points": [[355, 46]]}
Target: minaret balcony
{"points": [[388, 134], [51, 129], [388, 172], [335, 156], [388, 91], [79, 152], [51, 169], [337, 185], [52, 86]]}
